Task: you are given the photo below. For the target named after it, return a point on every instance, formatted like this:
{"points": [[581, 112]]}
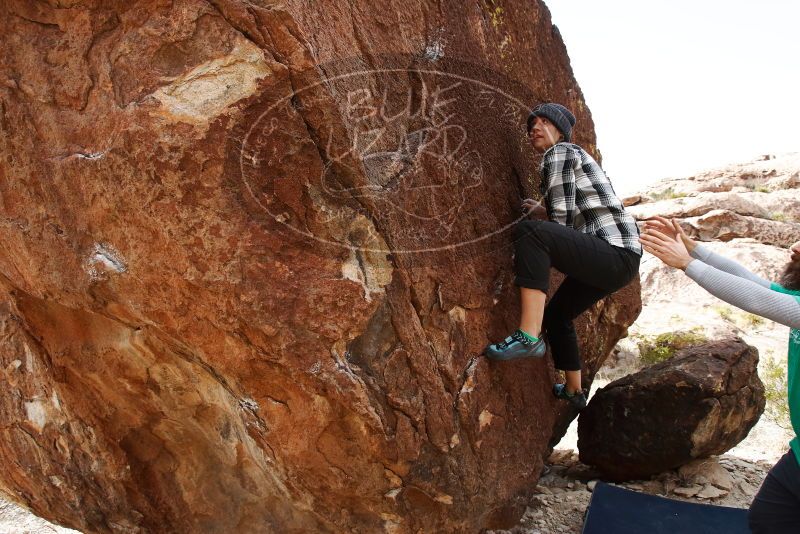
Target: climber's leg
{"points": [[588, 259]]}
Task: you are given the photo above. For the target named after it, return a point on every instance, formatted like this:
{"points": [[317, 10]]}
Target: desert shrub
{"points": [[753, 186], [725, 312], [752, 320], [667, 194], [738, 317], [664, 346], [776, 389], [782, 217]]}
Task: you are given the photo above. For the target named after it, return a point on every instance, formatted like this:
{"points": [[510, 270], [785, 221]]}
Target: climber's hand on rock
{"points": [[669, 249], [533, 209]]}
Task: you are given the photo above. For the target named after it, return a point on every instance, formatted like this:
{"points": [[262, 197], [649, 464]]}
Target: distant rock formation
{"points": [[701, 402], [758, 200], [249, 257]]}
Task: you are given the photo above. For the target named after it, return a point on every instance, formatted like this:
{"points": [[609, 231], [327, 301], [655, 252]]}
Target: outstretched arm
{"points": [[742, 292], [746, 294], [727, 265], [670, 228]]}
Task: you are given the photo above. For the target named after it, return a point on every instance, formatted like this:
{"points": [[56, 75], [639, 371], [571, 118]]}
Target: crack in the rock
{"points": [[278, 401], [363, 268], [49, 25], [245, 32], [425, 24], [392, 471], [440, 11], [482, 13], [466, 374]]}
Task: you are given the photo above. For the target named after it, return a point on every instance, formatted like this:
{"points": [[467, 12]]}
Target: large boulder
{"points": [[701, 402], [250, 255]]}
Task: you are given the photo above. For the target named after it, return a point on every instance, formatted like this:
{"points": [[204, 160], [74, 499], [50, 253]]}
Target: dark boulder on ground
{"points": [[701, 402]]}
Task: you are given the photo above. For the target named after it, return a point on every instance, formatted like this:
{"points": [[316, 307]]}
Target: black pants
{"points": [[776, 506], [594, 269]]}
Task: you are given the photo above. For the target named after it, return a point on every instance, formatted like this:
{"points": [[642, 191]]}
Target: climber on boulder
{"points": [[776, 507], [588, 236]]}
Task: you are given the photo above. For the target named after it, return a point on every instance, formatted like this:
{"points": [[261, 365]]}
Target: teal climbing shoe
{"points": [[516, 346], [577, 399]]}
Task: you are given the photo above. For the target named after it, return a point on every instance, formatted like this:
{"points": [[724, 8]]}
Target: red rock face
{"points": [[250, 256]]}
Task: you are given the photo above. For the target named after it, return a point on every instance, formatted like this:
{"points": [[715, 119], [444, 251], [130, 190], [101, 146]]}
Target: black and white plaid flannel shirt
{"points": [[578, 194]]}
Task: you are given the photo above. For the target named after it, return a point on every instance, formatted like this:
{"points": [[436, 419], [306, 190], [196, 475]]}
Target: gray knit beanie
{"points": [[561, 117]]}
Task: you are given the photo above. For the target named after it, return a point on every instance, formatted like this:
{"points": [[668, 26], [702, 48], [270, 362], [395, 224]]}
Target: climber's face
{"points": [[543, 134], [795, 251]]}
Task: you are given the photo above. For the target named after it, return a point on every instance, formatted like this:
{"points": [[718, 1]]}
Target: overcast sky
{"points": [[679, 86]]}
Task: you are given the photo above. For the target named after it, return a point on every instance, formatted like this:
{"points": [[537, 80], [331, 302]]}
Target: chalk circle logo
{"points": [[410, 150]]}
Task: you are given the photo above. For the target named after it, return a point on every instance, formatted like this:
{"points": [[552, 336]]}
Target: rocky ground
{"points": [[564, 491]]}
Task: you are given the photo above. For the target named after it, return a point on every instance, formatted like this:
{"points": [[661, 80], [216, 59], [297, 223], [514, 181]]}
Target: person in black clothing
{"points": [[588, 236]]}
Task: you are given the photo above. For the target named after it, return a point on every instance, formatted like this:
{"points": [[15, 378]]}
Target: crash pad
{"points": [[615, 510]]}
